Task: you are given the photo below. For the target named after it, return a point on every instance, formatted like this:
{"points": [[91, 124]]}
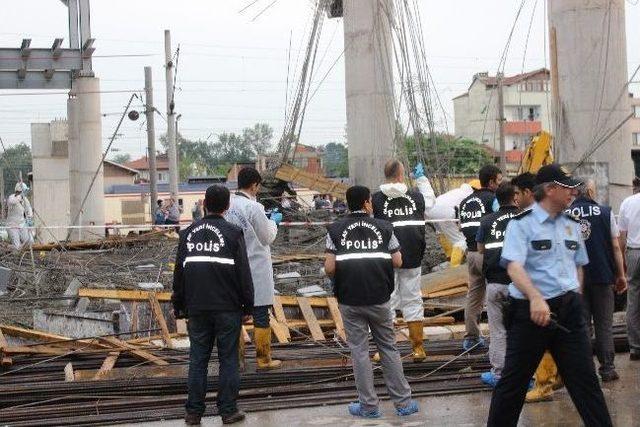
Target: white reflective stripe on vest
{"points": [[363, 255], [213, 259], [408, 222], [470, 224], [494, 245]]}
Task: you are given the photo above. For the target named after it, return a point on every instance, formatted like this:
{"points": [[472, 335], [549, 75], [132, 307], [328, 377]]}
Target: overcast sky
{"points": [[232, 69]]}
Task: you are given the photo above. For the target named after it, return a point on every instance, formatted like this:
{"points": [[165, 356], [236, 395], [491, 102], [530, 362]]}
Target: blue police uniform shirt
{"points": [[549, 249]]}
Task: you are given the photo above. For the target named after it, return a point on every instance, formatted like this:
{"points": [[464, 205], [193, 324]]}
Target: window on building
{"points": [[636, 111], [636, 139]]}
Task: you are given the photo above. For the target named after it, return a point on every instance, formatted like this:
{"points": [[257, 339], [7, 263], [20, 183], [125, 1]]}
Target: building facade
{"points": [[634, 124], [142, 166], [527, 103]]}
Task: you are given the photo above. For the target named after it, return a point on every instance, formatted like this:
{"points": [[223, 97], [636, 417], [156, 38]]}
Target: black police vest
{"points": [[406, 213], [471, 211], [364, 271], [595, 225], [494, 227]]}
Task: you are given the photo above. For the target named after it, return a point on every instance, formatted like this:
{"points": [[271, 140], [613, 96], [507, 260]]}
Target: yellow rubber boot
{"points": [[417, 338], [445, 244], [457, 255], [262, 338], [544, 380]]}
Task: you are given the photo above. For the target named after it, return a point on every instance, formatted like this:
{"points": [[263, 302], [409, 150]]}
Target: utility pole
{"points": [[501, 120], [171, 120], [151, 138]]}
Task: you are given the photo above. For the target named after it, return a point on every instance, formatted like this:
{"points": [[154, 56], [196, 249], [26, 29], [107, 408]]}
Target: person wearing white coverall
{"points": [[18, 213], [445, 208], [405, 208], [259, 232]]}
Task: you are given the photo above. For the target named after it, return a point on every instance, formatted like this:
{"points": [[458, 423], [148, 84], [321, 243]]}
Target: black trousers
{"points": [[526, 343], [223, 328]]}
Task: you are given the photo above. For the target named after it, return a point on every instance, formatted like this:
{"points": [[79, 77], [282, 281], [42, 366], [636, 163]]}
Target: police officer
{"points": [[212, 287], [361, 255], [490, 239], [604, 272], [544, 254], [472, 209], [405, 209]]}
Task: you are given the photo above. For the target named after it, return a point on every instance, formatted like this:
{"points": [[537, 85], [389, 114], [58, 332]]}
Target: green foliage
{"points": [[14, 160], [198, 158], [121, 158], [453, 156], [336, 160]]}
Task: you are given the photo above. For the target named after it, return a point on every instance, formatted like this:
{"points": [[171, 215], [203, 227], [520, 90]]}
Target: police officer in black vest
{"points": [[490, 239], [604, 272], [212, 287], [361, 255], [471, 211]]}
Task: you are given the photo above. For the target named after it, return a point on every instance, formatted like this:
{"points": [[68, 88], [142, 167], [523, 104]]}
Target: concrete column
{"points": [[85, 154], [49, 150], [369, 89], [593, 101]]}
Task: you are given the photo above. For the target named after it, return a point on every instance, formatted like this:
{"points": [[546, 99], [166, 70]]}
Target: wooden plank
{"points": [[311, 319], [142, 354], [281, 318], [124, 295], [337, 317], [181, 327], [157, 313], [4, 360], [449, 292], [60, 340], [107, 365], [36, 349], [444, 279], [279, 330], [146, 340], [290, 300]]}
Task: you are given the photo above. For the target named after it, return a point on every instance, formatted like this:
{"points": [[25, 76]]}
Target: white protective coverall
{"points": [[445, 207], [259, 233], [407, 294], [18, 210]]}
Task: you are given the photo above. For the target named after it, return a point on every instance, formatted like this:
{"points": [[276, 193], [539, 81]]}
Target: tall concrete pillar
{"points": [[49, 151], [369, 89], [85, 154], [591, 56]]}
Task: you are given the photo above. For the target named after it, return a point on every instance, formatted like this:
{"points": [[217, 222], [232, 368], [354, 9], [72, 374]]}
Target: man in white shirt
{"points": [[629, 225]]}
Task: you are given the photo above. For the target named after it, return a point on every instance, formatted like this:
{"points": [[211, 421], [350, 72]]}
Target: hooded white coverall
{"points": [[18, 210], [407, 294], [445, 208]]}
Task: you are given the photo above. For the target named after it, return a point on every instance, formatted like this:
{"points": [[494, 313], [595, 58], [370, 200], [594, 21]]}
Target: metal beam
{"points": [[46, 79], [40, 59], [74, 29]]}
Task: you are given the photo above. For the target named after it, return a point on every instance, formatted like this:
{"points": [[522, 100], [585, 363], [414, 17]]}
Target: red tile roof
{"points": [[162, 162]]}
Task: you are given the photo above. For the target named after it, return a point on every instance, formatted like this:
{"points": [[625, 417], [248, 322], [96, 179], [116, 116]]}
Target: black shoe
{"points": [[610, 375], [233, 418], [192, 419], [634, 356]]}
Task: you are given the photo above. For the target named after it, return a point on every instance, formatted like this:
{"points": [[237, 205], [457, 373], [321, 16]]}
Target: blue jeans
{"points": [[261, 316], [204, 329]]}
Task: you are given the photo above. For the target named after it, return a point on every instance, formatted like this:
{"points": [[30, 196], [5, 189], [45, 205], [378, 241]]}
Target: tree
{"points": [[14, 160], [197, 158], [336, 160], [445, 155], [121, 158]]}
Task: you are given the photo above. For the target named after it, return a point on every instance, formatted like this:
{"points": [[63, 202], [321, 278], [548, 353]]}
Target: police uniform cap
{"points": [[554, 173]]}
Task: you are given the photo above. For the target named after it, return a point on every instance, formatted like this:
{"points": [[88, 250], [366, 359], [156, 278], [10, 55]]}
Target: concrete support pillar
{"points": [[369, 89], [85, 154], [590, 44]]}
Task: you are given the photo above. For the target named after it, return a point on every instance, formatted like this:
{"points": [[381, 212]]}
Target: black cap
{"points": [[556, 174]]}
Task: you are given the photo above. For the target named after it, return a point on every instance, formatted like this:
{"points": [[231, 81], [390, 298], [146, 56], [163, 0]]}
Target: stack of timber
{"points": [[109, 242], [319, 183]]}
